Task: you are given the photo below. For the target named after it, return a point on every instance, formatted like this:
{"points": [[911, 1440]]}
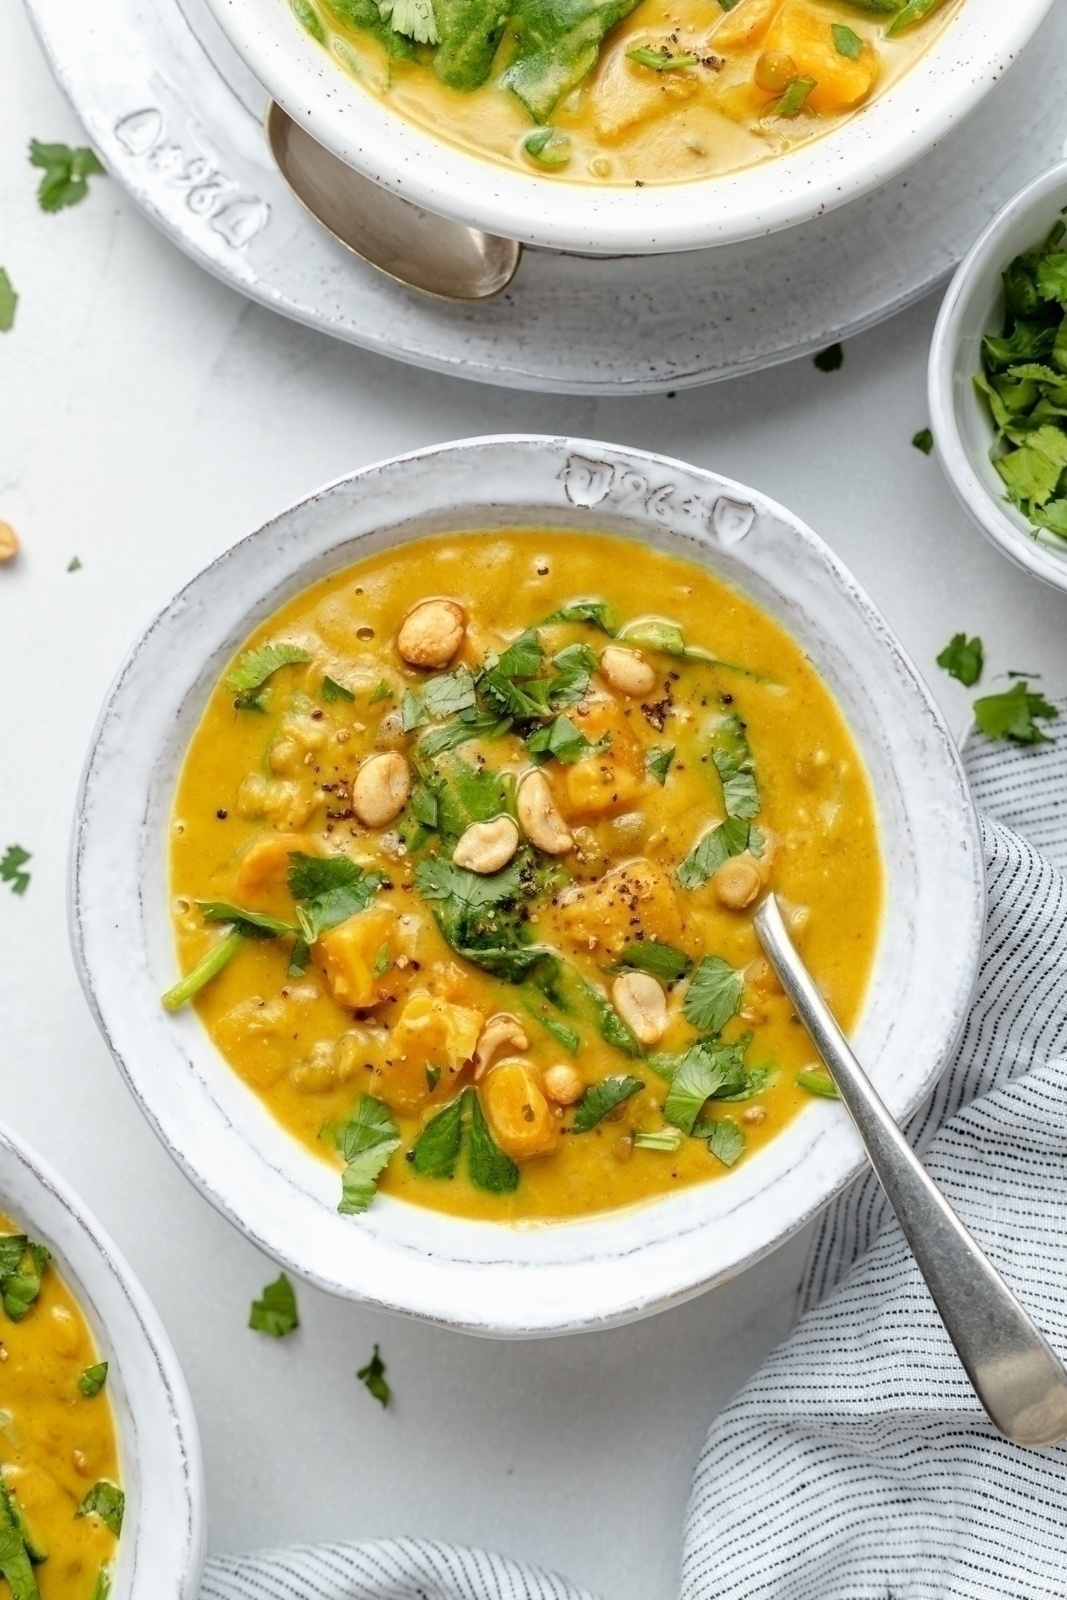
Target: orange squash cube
{"points": [[524, 1125], [430, 1033], [349, 954], [803, 32]]}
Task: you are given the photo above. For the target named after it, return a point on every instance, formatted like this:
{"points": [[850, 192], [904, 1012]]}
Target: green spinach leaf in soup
{"points": [[558, 42]]}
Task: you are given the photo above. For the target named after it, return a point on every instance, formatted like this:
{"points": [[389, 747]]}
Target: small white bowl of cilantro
{"points": [[998, 379]]}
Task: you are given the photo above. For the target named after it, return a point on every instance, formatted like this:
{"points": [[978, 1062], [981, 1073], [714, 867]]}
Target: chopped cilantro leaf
{"points": [[372, 1376], [713, 996], [366, 1140], [733, 763], [382, 691], [660, 60], [8, 302], [331, 691], [725, 1140], [923, 440], [248, 677], [22, 1265], [1011, 715], [489, 1168], [661, 960], [436, 1150], [11, 868], [658, 761], [730, 838], [106, 1501], [468, 726], [66, 173], [328, 890], [698, 1075], [560, 738], [830, 359], [523, 657], [275, 1314], [962, 659], [816, 1080], [655, 633], [665, 1139], [602, 1097], [74, 564], [93, 1379], [250, 924], [846, 43], [598, 613], [382, 961], [792, 104]]}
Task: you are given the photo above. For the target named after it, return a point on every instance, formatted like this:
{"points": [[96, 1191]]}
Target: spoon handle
{"points": [[1016, 1374]]}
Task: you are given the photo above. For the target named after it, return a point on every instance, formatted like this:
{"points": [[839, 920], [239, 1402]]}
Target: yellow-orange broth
{"points": [[386, 1007], [57, 1443], [756, 80]]}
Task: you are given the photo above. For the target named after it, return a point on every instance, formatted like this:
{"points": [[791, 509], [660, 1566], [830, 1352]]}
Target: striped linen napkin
{"points": [[857, 1464]]}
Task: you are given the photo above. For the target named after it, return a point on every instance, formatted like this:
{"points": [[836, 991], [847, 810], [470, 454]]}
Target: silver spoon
{"points": [[1015, 1372], [425, 252]]}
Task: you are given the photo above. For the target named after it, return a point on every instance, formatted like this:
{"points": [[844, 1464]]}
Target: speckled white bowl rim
{"points": [[948, 82], [161, 1551], [484, 1277], [971, 308]]}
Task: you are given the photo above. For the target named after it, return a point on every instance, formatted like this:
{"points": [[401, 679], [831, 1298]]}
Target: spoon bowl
{"points": [[416, 248]]}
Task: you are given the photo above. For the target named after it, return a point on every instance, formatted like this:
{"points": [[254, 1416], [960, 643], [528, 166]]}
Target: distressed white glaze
{"points": [[161, 1551], [943, 87], [178, 119], [963, 427], [482, 1277]]}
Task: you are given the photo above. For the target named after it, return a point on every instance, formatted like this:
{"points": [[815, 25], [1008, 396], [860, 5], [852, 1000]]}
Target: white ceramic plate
{"points": [[963, 427], [950, 79], [161, 1551], [178, 119], [483, 1277]]}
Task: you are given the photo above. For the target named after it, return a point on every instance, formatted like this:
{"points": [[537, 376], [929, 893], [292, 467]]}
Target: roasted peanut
{"points": [[564, 1084], [431, 633], [487, 846], [541, 821], [500, 1032], [737, 882], [642, 1005], [754, 1114], [627, 671], [380, 789], [775, 71]]}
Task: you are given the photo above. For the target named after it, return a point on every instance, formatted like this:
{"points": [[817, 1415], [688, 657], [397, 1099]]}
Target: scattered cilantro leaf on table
{"points": [[74, 564], [962, 658], [11, 868], [8, 302], [275, 1313], [830, 359], [372, 1377], [66, 173], [923, 440], [1011, 715]]}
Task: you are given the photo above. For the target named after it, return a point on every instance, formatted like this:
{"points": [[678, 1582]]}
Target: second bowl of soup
{"points": [[452, 854]]}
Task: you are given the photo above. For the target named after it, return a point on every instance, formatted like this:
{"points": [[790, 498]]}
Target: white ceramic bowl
{"points": [[963, 428], [486, 1277], [161, 1551], [949, 81]]}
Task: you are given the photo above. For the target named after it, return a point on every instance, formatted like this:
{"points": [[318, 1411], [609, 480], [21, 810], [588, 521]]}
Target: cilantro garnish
{"points": [[846, 42], [8, 302], [372, 1377], [275, 1314], [730, 838], [662, 961], [382, 691], [66, 173], [733, 763], [560, 738], [830, 359], [332, 691], [22, 1265], [725, 1140], [328, 890], [247, 679], [17, 1551], [438, 699], [106, 1501], [74, 564], [658, 761], [660, 60], [708, 1070], [11, 868], [923, 440], [962, 659], [666, 1139], [482, 917], [366, 1140], [816, 1080], [598, 613], [93, 1379], [602, 1097], [1011, 715], [523, 657], [250, 924], [793, 102], [713, 996]]}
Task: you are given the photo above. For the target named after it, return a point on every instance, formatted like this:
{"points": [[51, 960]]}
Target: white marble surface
{"points": [[148, 417]]}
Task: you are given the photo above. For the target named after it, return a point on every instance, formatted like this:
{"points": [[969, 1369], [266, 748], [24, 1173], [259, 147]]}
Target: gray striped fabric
{"points": [[857, 1464]]}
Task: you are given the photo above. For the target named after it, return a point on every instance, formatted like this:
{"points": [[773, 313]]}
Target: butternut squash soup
{"points": [[626, 91], [464, 856], [60, 1502]]}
